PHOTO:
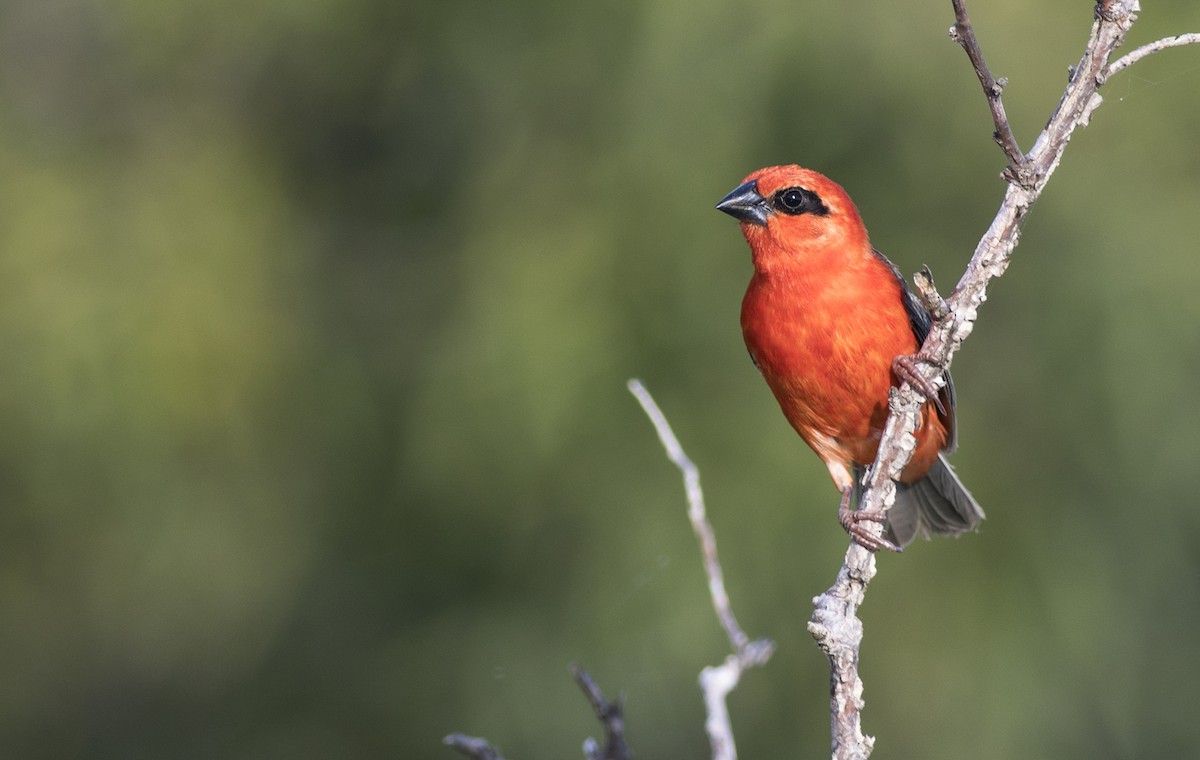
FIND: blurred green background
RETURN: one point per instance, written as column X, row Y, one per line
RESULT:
column 316, row 319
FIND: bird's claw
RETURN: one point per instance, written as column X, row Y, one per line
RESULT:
column 905, row 367
column 852, row 522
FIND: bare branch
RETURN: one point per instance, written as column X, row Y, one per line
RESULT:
column 838, row 632
column 716, row 682
column 964, row 34
column 835, row 624
column 1129, row 59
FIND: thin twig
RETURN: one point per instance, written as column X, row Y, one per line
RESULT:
column 716, row 682
column 927, row 291
column 611, row 715
column 696, row 513
column 472, row 746
column 1127, row 60
column 835, row 624
column 964, row 34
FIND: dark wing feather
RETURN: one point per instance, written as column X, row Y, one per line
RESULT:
column 921, row 323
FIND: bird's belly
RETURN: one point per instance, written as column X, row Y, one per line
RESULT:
column 847, row 403
column 831, row 380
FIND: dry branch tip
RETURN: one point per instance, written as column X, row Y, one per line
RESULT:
column 964, row 34
column 930, row 298
column 611, row 716
column 472, row 746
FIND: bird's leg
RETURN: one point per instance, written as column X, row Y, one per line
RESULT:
column 852, row 519
column 905, row 367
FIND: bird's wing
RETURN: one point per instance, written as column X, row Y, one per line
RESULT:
column 921, row 322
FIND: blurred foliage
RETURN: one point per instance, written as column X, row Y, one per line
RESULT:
column 316, row 318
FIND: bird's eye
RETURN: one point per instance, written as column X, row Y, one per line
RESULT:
column 792, row 200
column 798, row 200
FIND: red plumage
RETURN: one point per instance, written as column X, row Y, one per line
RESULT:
column 824, row 318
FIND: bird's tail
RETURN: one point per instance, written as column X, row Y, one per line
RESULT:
column 936, row 504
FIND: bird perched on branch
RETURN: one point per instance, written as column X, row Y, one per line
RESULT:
column 831, row 325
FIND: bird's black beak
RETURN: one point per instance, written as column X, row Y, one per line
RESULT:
column 745, row 203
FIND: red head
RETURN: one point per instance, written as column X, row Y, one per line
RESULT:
column 789, row 213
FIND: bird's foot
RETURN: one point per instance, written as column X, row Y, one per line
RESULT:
column 905, row 367
column 852, row 522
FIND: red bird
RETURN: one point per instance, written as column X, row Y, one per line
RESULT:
column 832, row 327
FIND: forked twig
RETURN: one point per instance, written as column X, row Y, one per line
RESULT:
column 716, row 682
column 612, row 717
